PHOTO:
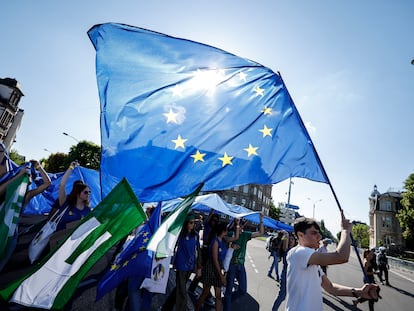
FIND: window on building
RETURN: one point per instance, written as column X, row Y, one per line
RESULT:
column 243, row 202
column 386, row 206
column 386, row 222
column 254, row 190
column 246, row 189
column 226, row 198
column 253, row 205
column 388, row 240
column 233, row 200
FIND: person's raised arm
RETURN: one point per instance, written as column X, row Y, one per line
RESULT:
column 63, row 181
column 46, row 182
column 236, row 232
column 341, row 254
column 4, row 185
column 261, row 228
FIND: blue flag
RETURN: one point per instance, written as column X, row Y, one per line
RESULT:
column 134, row 259
column 176, row 113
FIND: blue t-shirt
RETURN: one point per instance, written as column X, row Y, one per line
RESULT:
column 222, row 249
column 72, row 214
column 186, row 255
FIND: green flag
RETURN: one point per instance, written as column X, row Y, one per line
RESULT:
column 54, row 280
column 10, row 212
column 164, row 239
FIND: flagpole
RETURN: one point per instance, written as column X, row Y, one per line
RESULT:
column 327, row 178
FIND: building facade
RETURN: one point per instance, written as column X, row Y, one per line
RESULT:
column 384, row 227
column 252, row 196
column 10, row 113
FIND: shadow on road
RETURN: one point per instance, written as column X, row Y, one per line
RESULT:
column 345, row 304
column 402, row 291
column 244, row 303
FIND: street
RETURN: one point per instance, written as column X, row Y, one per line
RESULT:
column 262, row 290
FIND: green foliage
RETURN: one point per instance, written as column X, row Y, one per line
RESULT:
column 274, row 212
column 86, row 153
column 56, row 163
column 406, row 214
column 360, row 232
column 16, row 157
column 325, row 232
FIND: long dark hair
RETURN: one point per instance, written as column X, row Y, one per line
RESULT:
column 184, row 229
column 78, row 187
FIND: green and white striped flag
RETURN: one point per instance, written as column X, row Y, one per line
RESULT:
column 52, row 283
column 10, row 212
column 164, row 239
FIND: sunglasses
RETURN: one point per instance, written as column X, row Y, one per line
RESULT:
column 86, row 192
column 191, row 222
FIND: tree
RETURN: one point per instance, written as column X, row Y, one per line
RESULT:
column 325, row 232
column 16, row 157
column 406, row 214
column 360, row 232
column 56, row 163
column 86, row 153
column 274, row 212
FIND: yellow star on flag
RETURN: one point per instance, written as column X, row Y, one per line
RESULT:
column 198, row 156
column 179, row 142
column 226, row 160
column 114, row 267
column 251, row 150
column 267, row 110
column 266, row 131
column 125, row 264
column 171, row 116
column 259, row 90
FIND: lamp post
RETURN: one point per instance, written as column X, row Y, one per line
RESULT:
column 314, row 203
column 74, row 138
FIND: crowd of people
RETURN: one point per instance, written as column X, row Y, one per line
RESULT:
column 212, row 254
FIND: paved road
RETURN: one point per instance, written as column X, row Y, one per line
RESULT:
column 262, row 290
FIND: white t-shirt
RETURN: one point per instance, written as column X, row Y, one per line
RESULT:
column 304, row 290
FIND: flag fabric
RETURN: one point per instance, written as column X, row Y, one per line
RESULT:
column 134, row 259
column 53, row 281
column 164, row 239
column 184, row 112
column 10, row 210
column 44, row 201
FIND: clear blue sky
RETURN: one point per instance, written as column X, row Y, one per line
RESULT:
column 345, row 63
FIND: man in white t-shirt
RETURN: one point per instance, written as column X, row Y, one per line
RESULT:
column 305, row 278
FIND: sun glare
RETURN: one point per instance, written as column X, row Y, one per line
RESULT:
column 207, row 80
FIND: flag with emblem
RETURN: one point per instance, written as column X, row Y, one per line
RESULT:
column 10, row 210
column 164, row 239
column 176, row 113
column 54, row 280
column 133, row 259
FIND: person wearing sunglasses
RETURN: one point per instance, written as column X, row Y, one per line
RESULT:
column 77, row 201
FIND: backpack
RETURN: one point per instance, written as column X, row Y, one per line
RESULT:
column 275, row 243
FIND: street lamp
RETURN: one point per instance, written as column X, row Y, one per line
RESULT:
column 75, row 139
column 314, row 202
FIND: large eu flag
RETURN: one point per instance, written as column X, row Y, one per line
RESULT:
column 176, row 113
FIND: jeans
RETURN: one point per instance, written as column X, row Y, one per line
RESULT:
column 236, row 271
column 274, row 265
column 282, row 291
column 138, row 299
